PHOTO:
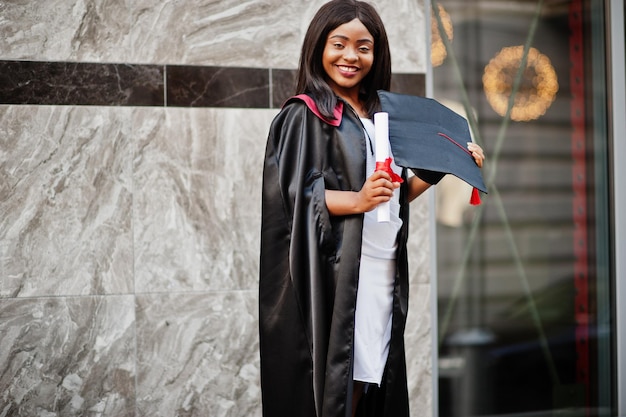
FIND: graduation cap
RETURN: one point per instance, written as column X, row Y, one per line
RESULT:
column 426, row 135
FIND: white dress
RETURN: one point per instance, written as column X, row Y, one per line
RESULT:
column 373, row 317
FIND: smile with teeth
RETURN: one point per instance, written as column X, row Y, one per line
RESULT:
column 347, row 69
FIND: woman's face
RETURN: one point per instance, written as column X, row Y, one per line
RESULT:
column 348, row 57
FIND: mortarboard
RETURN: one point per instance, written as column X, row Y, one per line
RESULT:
column 426, row 135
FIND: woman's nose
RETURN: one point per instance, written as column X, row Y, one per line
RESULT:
column 350, row 54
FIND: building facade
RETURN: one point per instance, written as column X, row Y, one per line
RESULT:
column 132, row 135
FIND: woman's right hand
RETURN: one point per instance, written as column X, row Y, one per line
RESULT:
column 378, row 188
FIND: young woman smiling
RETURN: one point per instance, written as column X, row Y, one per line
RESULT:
column 333, row 290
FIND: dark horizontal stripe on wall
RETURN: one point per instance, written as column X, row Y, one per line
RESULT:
column 71, row 83
column 193, row 86
column 283, row 86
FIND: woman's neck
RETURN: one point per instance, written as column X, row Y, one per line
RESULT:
column 356, row 104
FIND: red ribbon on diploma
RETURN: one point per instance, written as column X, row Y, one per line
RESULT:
column 386, row 166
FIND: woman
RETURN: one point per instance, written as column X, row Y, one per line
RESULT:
column 333, row 281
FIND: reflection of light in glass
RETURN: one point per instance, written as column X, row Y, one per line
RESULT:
column 438, row 49
column 537, row 89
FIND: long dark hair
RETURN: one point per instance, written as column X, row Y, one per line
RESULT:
column 311, row 74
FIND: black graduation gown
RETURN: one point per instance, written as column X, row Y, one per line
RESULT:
column 309, row 270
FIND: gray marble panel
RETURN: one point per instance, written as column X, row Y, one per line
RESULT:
column 253, row 33
column 419, row 345
column 407, row 28
column 198, row 197
column 197, row 355
column 418, row 245
column 67, row 357
column 418, row 336
column 65, row 201
column 60, row 30
column 257, row 33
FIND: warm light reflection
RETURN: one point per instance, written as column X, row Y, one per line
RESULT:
column 537, row 89
column 438, row 49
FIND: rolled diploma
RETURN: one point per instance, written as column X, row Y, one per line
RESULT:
column 381, row 131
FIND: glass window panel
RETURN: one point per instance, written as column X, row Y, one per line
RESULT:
column 524, row 279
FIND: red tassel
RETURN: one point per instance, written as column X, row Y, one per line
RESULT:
column 475, row 198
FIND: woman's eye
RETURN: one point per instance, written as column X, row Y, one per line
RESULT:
column 338, row 45
column 364, row 49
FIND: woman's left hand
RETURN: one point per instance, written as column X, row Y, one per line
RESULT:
column 477, row 153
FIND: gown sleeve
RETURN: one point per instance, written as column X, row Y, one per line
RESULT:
column 431, row 177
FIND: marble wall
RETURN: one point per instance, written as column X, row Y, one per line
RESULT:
column 131, row 142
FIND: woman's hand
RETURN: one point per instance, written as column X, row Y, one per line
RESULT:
column 477, row 153
column 378, row 188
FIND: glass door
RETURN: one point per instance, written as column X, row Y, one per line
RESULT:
column 524, row 280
